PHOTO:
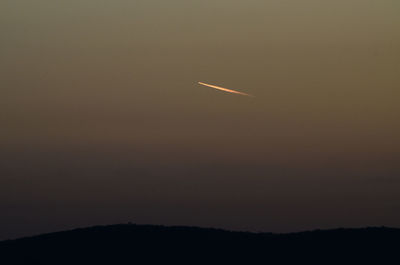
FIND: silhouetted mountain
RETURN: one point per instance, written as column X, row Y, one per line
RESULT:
column 148, row 244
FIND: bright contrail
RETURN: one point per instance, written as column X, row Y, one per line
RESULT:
column 226, row 90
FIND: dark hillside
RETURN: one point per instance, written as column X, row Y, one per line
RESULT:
column 128, row 244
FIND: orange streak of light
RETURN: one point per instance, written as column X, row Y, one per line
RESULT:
column 225, row 89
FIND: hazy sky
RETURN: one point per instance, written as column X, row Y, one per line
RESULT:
column 102, row 120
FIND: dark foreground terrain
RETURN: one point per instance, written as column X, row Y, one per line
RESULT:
column 147, row 244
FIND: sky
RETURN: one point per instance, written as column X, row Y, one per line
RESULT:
column 102, row 119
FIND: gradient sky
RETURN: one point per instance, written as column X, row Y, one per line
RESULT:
column 102, row 120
